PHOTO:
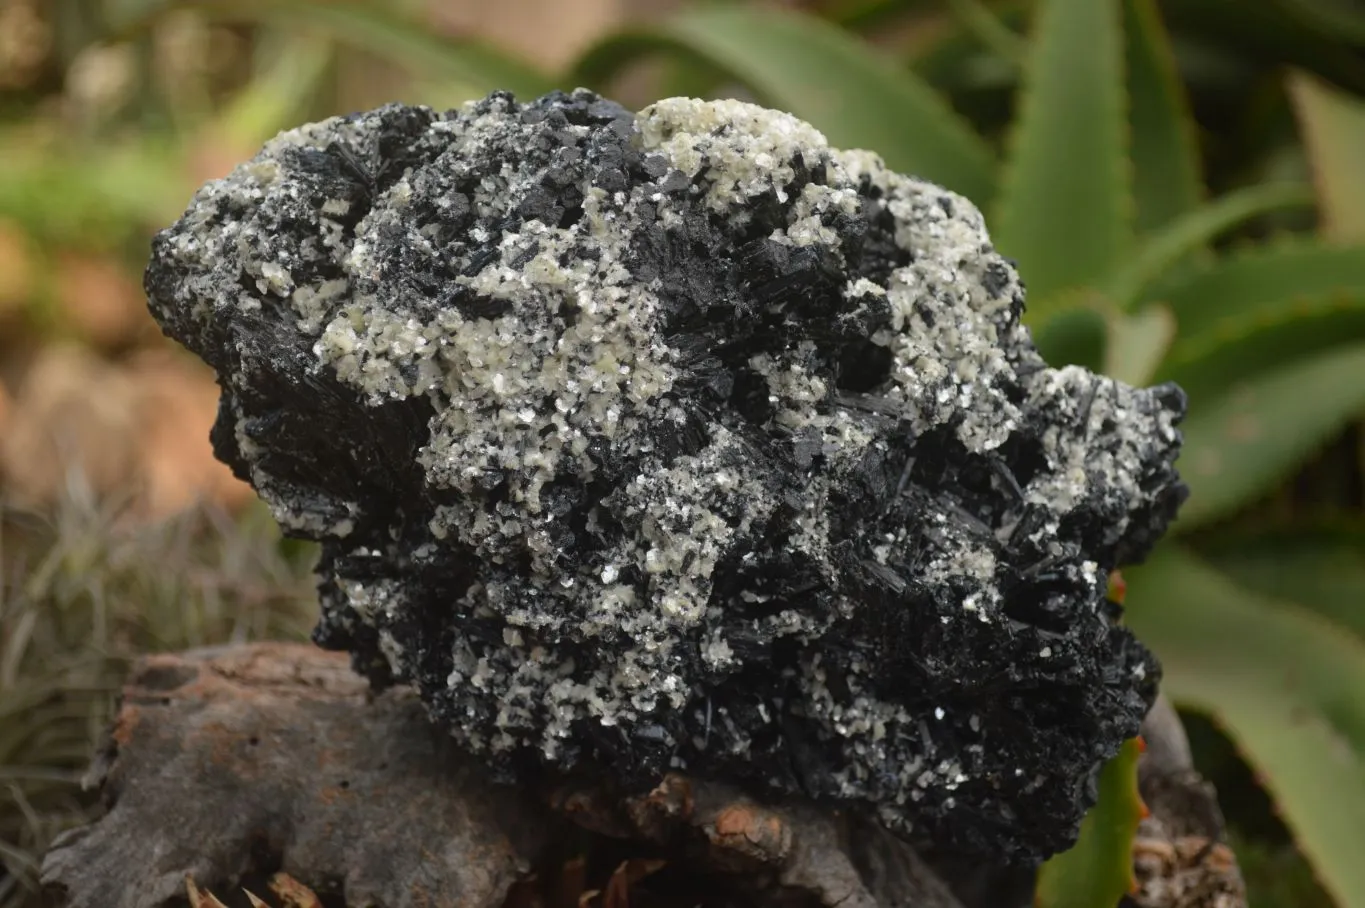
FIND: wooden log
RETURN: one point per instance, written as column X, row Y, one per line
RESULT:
column 1180, row 858
column 223, row 764
column 231, row 764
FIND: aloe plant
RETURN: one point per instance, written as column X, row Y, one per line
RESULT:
column 469, row 68
column 1098, row 871
column 822, row 75
column 1099, row 197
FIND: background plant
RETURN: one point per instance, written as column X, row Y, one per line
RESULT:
column 1181, row 183
column 84, row 592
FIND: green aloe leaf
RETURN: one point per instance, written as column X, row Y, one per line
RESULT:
column 817, row 72
column 1190, row 231
column 1166, row 177
column 1323, row 567
column 1065, row 210
column 1073, row 330
column 1098, row 870
column 1333, row 126
column 1262, row 279
column 982, row 23
column 1238, row 445
column 1262, row 308
column 1137, row 343
column 1288, row 688
column 376, row 29
column 1240, row 348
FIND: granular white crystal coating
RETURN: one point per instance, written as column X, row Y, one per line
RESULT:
column 682, row 440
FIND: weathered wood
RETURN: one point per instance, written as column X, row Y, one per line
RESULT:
column 228, row 763
column 233, row 762
column 1180, row 859
column 781, row 850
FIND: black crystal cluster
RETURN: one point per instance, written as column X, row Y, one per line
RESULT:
column 681, row 440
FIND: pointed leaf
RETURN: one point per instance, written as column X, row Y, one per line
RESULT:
column 1286, row 686
column 1262, row 308
column 1098, row 869
column 815, row 71
column 1239, row 445
column 981, row 21
column 1190, row 231
column 377, row 29
column 1333, row 125
column 1262, row 279
column 1137, row 344
column 1065, row 211
column 1321, row 567
column 1241, row 347
column 1166, row 178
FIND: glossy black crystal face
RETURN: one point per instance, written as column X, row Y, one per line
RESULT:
column 681, row 440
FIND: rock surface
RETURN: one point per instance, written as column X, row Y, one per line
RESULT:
column 682, row 441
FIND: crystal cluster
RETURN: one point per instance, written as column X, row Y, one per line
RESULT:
column 681, row 440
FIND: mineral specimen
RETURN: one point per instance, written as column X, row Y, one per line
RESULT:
column 682, row 440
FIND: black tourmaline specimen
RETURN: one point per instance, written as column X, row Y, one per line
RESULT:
column 682, row 440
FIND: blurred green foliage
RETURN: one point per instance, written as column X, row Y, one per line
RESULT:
column 1181, row 182
column 1099, row 869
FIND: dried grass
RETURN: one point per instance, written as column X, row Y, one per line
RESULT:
column 84, row 590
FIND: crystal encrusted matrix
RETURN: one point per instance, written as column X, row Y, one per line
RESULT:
column 682, row 440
